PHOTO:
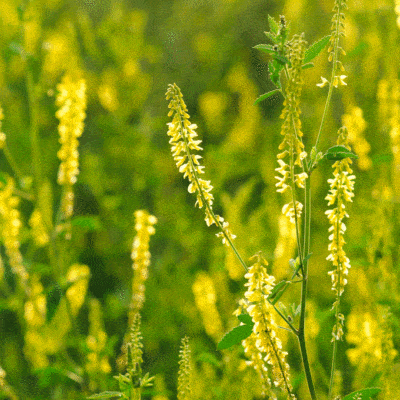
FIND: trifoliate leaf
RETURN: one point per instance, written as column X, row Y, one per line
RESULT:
column 339, row 153
column 315, row 49
column 364, row 394
column 266, row 95
column 235, row 336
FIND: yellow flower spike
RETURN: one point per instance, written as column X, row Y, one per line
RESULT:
column 341, row 191
column 141, row 256
column 97, row 364
column 264, row 343
column 205, row 298
column 39, row 232
column 183, row 143
column 10, row 229
column 291, row 155
column 71, row 101
column 185, row 371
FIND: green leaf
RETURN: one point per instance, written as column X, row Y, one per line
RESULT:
column 278, row 291
column 274, row 69
column 315, row 49
column 209, row 358
column 105, row 395
column 365, row 394
column 235, row 336
column 90, row 223
column 53, row 298
column 272, row 37
column 3, row 179
column 266, row 95
column 281, row 59
column 266, row 48
column 339, row 153
column 273, row 25
column 308, row 65
column 246, row 319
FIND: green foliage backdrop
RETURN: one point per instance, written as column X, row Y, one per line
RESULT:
column 128, row 52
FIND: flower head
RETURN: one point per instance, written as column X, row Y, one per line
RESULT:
column 71, row 101
column 341, row 191
column 263, row 346
column 183, row 143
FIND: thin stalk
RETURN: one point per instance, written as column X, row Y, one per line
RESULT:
column 12, row 162
column 219, row 225
column 301, row 331
column 334, row 352
column 334, row 70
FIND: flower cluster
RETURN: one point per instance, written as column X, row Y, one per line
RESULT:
column 183, row 143
column 206, row 298
column 292, row 147
column 71, row 101
column 10, row 225
column 337, row 29
column 141, row 256
column 97, row 362
column 356, row 126
column 39, row 232
column 341, row 191
column 264, row 346
column 185, row 371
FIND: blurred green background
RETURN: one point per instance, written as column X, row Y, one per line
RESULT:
column 128, row 52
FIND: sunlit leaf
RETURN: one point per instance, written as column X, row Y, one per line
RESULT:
column 364, row 394
column 315, row 49
column 235, row 336
column 273, row 25
column 339, row 153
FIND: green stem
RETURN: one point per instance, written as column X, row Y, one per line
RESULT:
column 301, row 331
column 205, row 202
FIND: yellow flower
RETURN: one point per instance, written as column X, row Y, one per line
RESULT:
column 141, row 256
column 71, row 101
column 264, row 347
column 205, row 298
column 11, row 224
column 341, row 191
column 183, row 143
column 291, row 149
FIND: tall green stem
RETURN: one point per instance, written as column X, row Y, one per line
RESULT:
column 301, row 331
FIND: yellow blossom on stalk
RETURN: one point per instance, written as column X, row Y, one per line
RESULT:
column 263, row 346
column 141, row 256
column 183, row 143
column 35, row 307
column 205, row 298
column 292, row 148
column 356, row 126
column 97, row 364
column 71, row 101
column 341, row 191
column 10, row 225
column 337, row 29
column 185, row 371
column 39, row 232
column 397, row 11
